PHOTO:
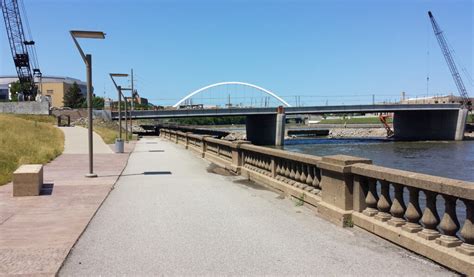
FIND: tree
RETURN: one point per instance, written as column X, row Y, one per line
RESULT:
column 97, row 103
column 16, row 87
column 73, row 98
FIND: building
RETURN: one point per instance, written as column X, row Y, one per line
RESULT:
column 4, row 89
column 442, row 99
column 52, row 87
column 138, row 100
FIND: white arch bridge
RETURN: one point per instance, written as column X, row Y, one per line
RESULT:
column 266, row 91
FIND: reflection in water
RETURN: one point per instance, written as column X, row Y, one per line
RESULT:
column 453, row 159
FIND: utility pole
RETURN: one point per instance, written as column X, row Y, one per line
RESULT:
column 373, row 99
column 133, row 105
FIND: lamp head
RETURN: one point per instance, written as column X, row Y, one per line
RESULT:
column 88, row 34
column 118, row 75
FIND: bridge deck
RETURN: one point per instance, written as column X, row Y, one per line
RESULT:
column 289, row 110
column 197, row 223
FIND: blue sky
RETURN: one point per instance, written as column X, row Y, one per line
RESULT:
column 335, row 51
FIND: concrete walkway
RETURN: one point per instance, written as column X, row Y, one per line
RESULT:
column 37, row 233
column 192, row 222
column 77, row 141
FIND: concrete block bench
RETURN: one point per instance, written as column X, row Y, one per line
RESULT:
column 27, row 180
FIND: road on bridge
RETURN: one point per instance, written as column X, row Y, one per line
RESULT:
column 195, row 222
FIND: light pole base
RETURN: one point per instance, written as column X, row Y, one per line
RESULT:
column 91, row 175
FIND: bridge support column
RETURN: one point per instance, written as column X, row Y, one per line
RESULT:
column 430, row 124
column 266, row 129
column 461, row 124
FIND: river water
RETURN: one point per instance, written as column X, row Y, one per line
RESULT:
column 451, row 159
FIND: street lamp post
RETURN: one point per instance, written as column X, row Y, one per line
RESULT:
column 120, row 95
column 88, row 61
column 119, row 88
column 132, row 105
column 127, row 115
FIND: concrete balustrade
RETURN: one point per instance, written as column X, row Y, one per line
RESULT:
column 397, row 205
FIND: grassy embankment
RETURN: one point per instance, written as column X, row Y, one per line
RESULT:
column 108, row 131
column 27, row 139
column 354, row 120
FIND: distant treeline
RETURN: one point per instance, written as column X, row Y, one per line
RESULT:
column 226, row 120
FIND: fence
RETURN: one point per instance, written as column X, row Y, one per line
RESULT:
column 429, row 215
column 27, row 107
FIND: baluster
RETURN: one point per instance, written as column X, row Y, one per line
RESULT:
column 277, row 167
column 316, row 178
column 297, row 172
column 292, row 172
column 449, row 224
column 384, row 203
column 287, row 169
column 430, row 218
column 303, row 174
column 398, row 207
column 291, row 168
column 266, row 165
column 413, row 213
column 371, row 198
column 467, row 231
column 309, row 178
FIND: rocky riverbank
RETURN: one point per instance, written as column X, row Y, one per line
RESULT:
column 357, row 133
column 333, row 133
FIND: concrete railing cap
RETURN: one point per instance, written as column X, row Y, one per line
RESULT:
column 345, row 160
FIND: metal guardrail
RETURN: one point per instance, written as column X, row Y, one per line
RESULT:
column 288, row 110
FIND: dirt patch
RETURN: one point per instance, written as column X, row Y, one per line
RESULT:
column 213, row 168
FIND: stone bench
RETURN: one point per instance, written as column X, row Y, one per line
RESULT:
column 28, row 180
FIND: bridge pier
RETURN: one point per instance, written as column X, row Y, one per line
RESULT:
column 268, row 129
column 430, row 124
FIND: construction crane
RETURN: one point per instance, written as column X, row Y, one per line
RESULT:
column 466, row 101
column 23, row 51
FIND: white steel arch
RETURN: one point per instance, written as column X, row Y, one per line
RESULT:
column 232, row 83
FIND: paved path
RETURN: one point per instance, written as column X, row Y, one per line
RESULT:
column 197, row 223
column 37, row 233
column 77, row 141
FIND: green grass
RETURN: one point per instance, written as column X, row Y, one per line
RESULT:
column 108, row 131
column 355, row 120
column 26, row 139
column 50, row 119
column 110, row 134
